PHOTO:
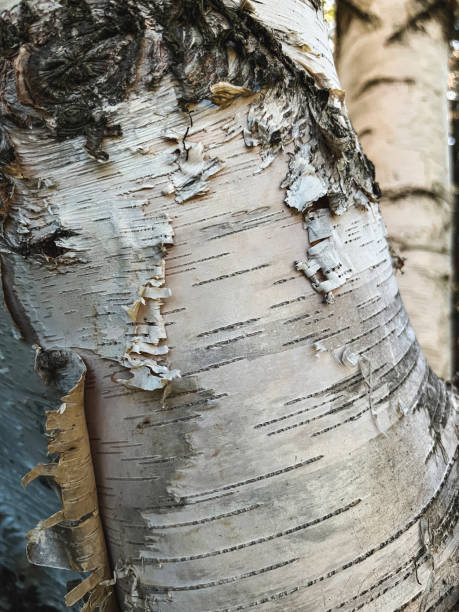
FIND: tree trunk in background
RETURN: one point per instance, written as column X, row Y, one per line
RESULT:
column 188, row 211
column 392, row 58
column 454, row 86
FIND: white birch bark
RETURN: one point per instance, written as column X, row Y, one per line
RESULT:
column 392, row 57
column 279, row 441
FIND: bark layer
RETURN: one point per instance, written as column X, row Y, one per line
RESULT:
column 392, row 58
column 304, row 405
column 24, row 587
column 71, row 538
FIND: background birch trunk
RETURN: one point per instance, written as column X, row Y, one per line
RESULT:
column 392, row 58
column 188, row 210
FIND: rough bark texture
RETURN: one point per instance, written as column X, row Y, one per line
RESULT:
column 392, row 58
column 71, row 538
column 265, row 430
column 23, row 400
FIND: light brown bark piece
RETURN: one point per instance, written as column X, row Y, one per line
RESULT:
column 72, row 538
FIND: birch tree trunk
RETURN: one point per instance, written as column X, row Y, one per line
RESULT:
column 392, row 58
column 192, row 238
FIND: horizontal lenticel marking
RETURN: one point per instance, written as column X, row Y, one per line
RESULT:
column 231, row 275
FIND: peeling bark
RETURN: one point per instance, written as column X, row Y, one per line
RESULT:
column 240, row 483
column 72, row 538
column 24, row 587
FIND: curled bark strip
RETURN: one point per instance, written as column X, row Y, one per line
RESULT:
column 146, row 349
column 73, row 537
column 224, row 93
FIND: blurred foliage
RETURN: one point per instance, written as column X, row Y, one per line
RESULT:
column 329, row 9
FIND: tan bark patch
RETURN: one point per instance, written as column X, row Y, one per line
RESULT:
column 73, row 537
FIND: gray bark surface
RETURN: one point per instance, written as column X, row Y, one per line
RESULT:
column 187, row 208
